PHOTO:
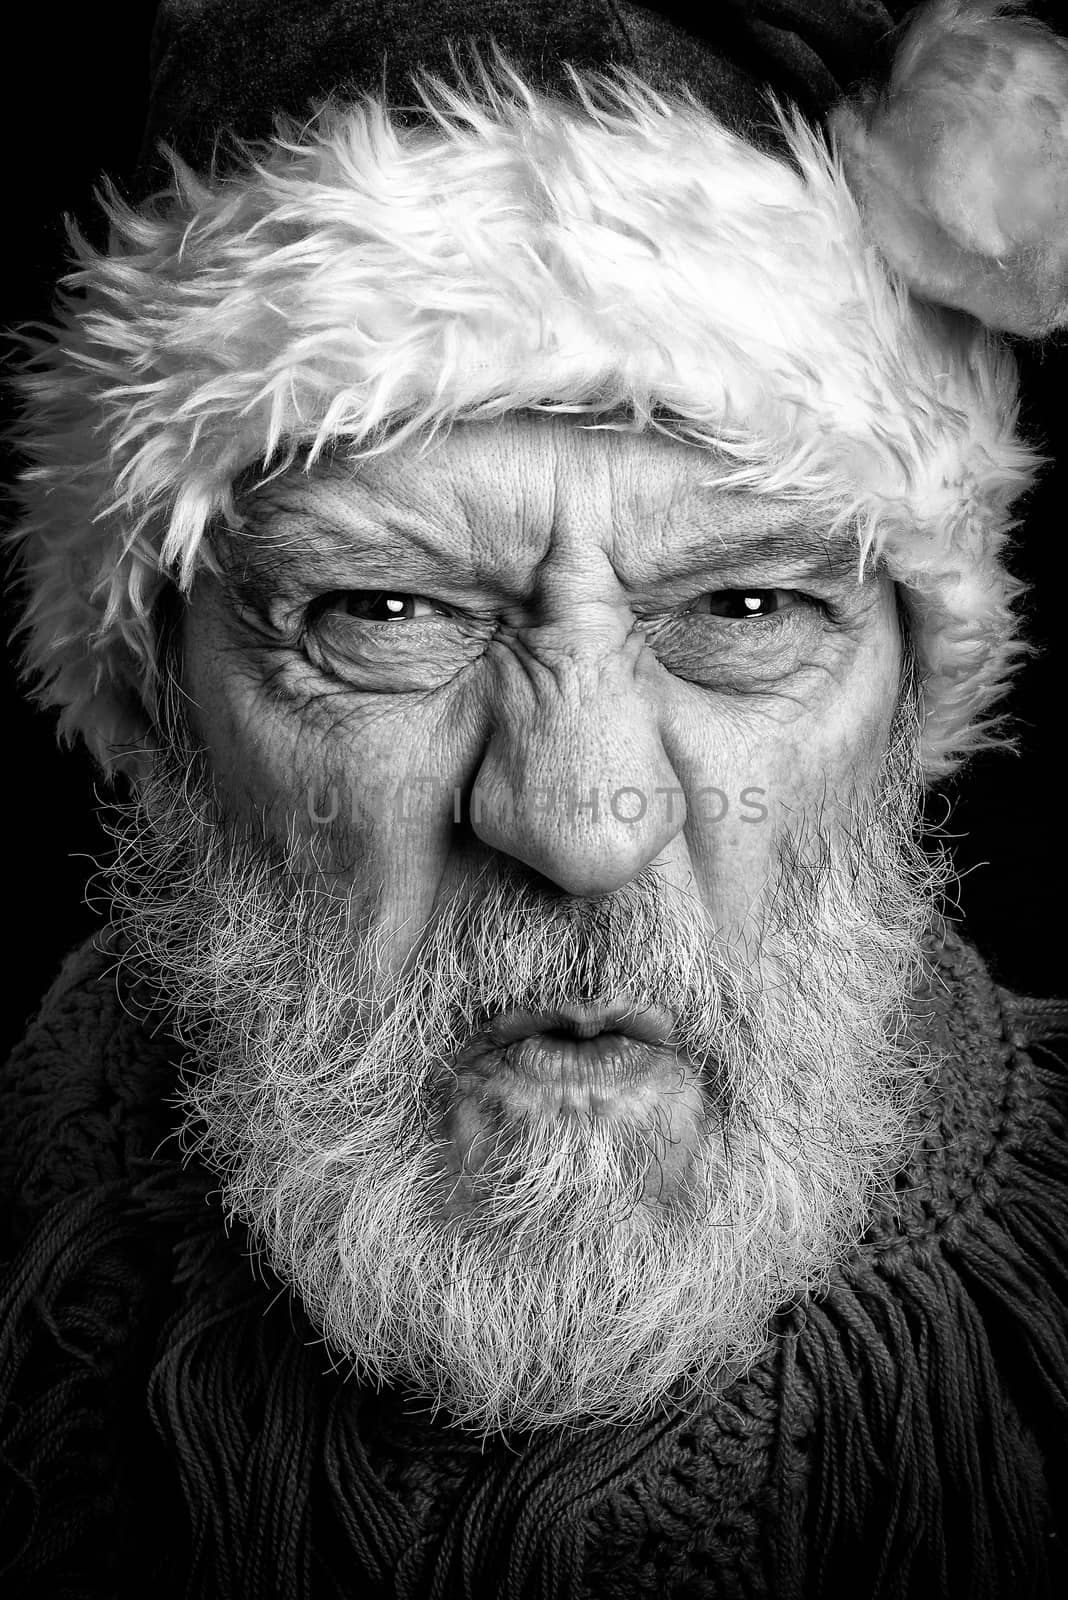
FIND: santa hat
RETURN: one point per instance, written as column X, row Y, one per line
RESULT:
column 662, row 244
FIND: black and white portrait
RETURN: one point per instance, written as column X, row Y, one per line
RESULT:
column 535, row 580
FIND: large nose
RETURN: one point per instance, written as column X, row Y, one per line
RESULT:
column 575, row 781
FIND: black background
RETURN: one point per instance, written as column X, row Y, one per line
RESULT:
column 76, row 98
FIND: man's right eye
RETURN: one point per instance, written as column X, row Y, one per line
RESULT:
column 383, row 641
column 380, row 605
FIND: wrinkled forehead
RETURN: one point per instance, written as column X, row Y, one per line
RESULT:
column 499, row 498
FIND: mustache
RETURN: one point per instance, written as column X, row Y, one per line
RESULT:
column 540, row 949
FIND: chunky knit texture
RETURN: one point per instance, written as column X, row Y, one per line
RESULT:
column 169, row 1425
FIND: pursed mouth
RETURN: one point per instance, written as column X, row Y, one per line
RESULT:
column 606, row 1061
column 577, row 1049
column 579, row 1021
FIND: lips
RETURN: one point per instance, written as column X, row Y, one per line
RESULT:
column 650, row 1024
column 609, row 1060
column 616, row 1044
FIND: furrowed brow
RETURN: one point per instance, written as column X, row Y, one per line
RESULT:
column 278, row 552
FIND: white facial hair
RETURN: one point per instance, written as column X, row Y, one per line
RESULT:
column 320, row 1085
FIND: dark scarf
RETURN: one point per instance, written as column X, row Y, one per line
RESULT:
column 170, row 1425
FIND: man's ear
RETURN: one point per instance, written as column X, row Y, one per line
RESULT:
column 960, row 165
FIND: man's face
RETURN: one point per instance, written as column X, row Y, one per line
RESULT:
column 547, row 1014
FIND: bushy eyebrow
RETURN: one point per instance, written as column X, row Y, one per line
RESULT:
column 262, row 563
column 833, row 556
column 770, row 541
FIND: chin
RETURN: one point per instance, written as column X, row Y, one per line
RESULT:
column 540, row 1268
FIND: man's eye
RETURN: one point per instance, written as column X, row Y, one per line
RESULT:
column 389, row 641
column 382, row 605
column 736, row 605
column 741, row 638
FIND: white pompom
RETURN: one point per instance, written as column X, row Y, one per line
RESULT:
column 961, row 164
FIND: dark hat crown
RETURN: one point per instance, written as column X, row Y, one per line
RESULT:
column 234, row 65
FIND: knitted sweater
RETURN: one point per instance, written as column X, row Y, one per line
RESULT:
column 170, row 1425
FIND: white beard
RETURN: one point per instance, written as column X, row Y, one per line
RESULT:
column 571, row 1285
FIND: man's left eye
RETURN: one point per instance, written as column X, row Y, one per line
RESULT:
column 384, row 605
column 737, row 605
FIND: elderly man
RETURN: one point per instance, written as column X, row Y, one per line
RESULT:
column 528, row 552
